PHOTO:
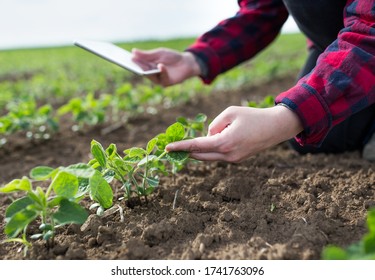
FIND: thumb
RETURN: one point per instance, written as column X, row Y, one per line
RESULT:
column 164, row 77
column 221, row 122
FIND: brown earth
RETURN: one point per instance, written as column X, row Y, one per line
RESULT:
column 276, row 205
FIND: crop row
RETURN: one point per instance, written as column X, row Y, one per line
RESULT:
column 51, row 197
column 38, row 86
column 40, row 123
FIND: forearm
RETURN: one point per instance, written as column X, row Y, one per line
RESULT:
column 287, row 124
column 343, row 81
column 240, row 37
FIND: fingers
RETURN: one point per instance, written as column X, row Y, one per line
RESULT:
column 196, row 145
column 144, row 64
column 222, row 121
column 205, row 149
column 209, row 156
column 161, row 78
column 148, row 55
column 150, row 59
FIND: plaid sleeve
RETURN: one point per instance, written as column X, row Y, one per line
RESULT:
column 343, row 81
column 240, row 37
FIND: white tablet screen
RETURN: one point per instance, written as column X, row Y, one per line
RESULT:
column 115, row 55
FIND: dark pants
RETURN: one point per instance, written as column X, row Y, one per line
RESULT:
column 320, row 21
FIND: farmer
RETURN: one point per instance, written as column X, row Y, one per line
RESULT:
column 331, row 109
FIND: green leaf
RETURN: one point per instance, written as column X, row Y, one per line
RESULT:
column 80, row 170
column 369, row 243
column 23, row 184
column 101, row 191
column 109, row 175
column 98, row 152
column 201, row 118
column 124, row 165
column 35, row 197
column 175, row 132
column 147, row 159
column 135, row 152
column 197, row 126
column 152, row 181
column 70, row 212
column 183, row 121
column 111, row 151
column 269, row 101
column 162, row 141
column 83, row 187
column 65, row 184
column 19, row 221
column 177, row 156
column 55, row 201
column 334, row 253
column 149, row 190
column 371, row 220
column 42, row 199
column 17, row 206
column 151, row 145
column 94, row 164
column 41, row 173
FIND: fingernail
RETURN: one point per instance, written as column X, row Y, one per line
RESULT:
column 169, row 147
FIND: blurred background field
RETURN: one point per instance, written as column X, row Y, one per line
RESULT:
column 40, row 85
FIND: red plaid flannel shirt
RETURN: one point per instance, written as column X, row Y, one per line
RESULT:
column 341, row 84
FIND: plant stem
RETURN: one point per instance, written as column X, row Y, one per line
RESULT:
column 144, row 179
column 162, row 155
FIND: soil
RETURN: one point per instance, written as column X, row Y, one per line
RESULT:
column 276, row 205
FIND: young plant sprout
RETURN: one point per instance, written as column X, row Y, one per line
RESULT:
column 139, row 170
column 362, row 250
column 57, row 205
column 54, row 201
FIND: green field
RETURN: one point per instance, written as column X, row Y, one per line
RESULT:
column 97, row 91
column 41, row 87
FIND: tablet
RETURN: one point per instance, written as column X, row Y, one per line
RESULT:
column 114, row 54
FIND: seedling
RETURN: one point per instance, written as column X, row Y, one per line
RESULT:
column 138, row 172
column 195, row 126
column 57, row 205
column 37, row 123
column 363, row 250
column 88, row 110
column 272, row 207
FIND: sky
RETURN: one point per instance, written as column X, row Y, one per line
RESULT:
column 33, row 23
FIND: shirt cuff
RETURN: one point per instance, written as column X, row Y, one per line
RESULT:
column 207, row 57
column 312, row 111
column 202, row 66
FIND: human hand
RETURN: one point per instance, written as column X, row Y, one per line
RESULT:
column 175, row 67
column 240, row 132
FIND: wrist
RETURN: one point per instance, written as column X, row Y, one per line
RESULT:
column 287, row 122
column 193, row 65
